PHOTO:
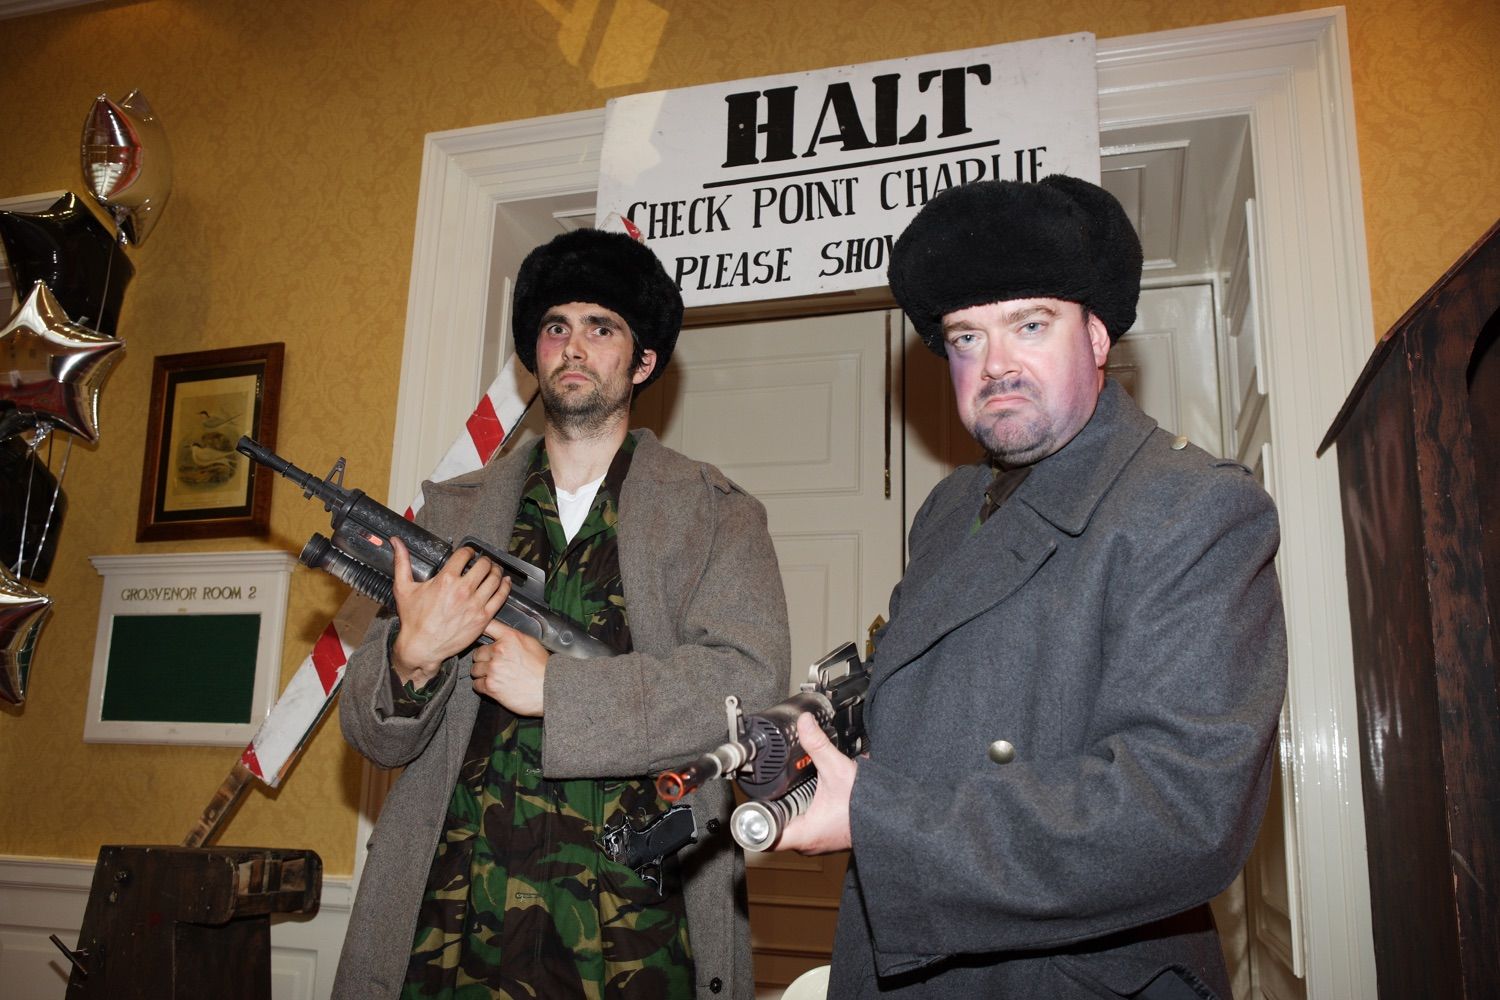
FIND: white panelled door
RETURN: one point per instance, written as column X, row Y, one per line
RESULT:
column 1166, row 361
column 795, row 411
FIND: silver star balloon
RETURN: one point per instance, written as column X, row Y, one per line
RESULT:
column 52, row 368
column 23, row 612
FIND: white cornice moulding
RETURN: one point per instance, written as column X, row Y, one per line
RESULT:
column 262, row 559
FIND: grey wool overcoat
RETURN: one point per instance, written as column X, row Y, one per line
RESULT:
column 1117, row 623
column 707, row 617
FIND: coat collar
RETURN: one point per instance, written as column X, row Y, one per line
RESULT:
column 964, row 569
column 1066, row 487
column 499, row 487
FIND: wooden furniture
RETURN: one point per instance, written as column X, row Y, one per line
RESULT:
column 1419, row 467
column 186, row 923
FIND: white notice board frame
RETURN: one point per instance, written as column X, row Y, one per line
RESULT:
column 191, row 584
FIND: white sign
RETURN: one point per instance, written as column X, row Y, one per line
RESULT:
column 799, row 184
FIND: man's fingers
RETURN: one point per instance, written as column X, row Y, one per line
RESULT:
column 486, row 587
column 458, row 561
column 497, row 600
column 403, row 560
column 815, row 741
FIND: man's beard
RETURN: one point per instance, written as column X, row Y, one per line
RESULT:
column 1011, row 439
column 579, row 412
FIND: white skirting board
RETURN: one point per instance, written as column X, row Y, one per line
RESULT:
column 39, row 897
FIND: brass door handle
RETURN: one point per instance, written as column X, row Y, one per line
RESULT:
column 876, row 625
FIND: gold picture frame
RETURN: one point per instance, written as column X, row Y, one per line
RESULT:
column 193, row 483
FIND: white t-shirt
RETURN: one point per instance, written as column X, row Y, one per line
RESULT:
column 573, row 508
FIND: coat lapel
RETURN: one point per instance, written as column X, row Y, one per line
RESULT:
column 960, row 577
column 1066, row 488
column 492, row 517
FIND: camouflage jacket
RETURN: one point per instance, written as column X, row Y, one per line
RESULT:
column 520, row 901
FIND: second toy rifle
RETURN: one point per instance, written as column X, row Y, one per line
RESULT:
column 765, row 756
column 359, row 553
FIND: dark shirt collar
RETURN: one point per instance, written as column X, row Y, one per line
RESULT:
column 1006, row 481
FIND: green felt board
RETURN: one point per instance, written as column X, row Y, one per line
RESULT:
column 181, row 668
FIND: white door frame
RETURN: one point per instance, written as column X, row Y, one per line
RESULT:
column 1290, row 76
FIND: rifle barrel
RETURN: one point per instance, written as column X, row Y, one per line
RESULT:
column 330, row 493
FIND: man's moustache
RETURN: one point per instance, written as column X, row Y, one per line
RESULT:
column 1008, row 387
column 575, row 370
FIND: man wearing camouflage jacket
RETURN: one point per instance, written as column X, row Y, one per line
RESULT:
column 485, row 876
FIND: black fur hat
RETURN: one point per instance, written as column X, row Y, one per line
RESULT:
column 992, row 241
column 608, row 269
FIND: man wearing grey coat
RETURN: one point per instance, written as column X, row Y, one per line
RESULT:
column 698, row 598
column 1072, row 710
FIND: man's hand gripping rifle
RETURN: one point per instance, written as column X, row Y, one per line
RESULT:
column 766, row 758
column 359, row 553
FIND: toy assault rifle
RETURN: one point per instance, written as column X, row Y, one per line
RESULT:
column 359, row 553
column 766, row 758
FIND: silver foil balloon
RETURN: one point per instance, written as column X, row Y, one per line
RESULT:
column 127, row 163
column 23, row 612
column 51, row 369
column 79, row 257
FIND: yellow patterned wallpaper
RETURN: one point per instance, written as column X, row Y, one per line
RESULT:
column 296, row 128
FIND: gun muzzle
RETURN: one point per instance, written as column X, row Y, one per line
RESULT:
column 673, row 785
column 252, row 448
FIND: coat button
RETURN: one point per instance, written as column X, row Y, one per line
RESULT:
column 715, row 985
column 1001, row 752
column 1179, row 442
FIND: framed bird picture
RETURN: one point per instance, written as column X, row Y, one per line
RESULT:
column 193, row 482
